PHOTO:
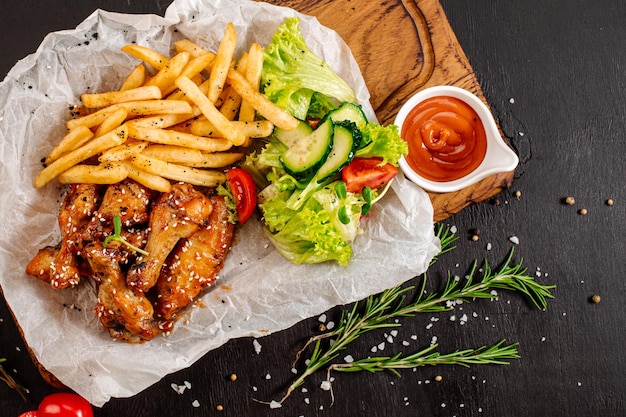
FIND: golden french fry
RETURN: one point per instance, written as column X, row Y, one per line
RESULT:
column 98, row 100
column 264, row 106
column 135, row 79
column 222, row 62
column 193, row 69
column 175, row 154
column 154, row 182
column 108, row 173
column 186, row 45
column 91, row 148
column 166, row 76
column 221, row 123
column 201, row 177
column 254, row 67
column 256, row 129
column 231, row 104
column 72, row 140
column 172, row 137
column 148, row 55
column 161, row 121
column 123, row 152
column 114, row 120
column 134, row 108
column 217, row 159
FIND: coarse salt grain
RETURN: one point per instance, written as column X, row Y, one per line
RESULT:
column 348, row 359
column 195, row 403
column 514, row 239
column 325, row 385
column 322, row 318
column 257, row 346
column 275, row 404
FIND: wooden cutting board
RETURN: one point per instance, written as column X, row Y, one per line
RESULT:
column 403, row 46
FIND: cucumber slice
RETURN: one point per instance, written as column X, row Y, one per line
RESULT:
column 308, row 153
column 350, row 112
column 341, row 154
column 290, row 137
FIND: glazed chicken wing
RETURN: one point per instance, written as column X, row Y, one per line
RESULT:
column 126, row 315
column 127, row 199
column 176, row 215
column 76, row 211
column 195, row 262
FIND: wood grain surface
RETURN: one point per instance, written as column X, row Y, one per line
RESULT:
column 553, row 74
column 403, row 46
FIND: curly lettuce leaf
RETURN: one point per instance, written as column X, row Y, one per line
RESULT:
column 382, row 142
column 311, row 237
column 292, row 73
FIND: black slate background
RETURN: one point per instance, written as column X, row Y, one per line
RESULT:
column 554, row 74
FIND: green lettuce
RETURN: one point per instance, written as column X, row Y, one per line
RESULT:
column 382, row 142
column 292, row 73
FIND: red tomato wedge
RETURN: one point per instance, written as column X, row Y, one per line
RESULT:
column 62, row 404
column 368, row 172
column 243, row 189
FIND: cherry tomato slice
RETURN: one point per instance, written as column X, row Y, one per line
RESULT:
column 29, row 414
column 243, row 190
column 368, row 172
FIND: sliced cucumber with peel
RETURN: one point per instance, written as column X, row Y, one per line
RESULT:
column 309, row 152
column 348, row 111
column 340, row 155
column 290, row 137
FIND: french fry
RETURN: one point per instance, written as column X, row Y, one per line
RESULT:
column 175, row 154
column 148, row 55
column 222, row 62
column 72, row 140
column 264, row 106
column 217, row 159
column 252, row 72
column 193, row 69
column 99, row 100
column 201, row 177
column 109, row 173
column 186, row 45
column 123, row 152
column 114, row 120
column 256, row 129
column 172, row 137
column 221, row 123
column 91, row 148
column 161, row 121
column 231, row 104
column 154, row 182
column 135, row 79
column 134, row 108
column 166, row 75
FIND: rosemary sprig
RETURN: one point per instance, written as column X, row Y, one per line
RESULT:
column 496, row 354
column 390, row 304
column 8, row 379
column 117, row 235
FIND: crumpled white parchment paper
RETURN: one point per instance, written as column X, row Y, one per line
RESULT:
column 259, row 292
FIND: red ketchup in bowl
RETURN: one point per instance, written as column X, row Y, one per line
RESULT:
column 446, row 139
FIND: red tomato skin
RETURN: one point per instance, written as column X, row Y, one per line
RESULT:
column 64, row 404
column 30, row 414
column 363, row 172
column 243, row 189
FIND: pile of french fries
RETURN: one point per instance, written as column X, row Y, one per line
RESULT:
column 186, row 121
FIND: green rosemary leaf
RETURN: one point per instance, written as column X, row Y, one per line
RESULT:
column 496, row 354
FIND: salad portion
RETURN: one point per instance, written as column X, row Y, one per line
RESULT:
column 318, row 180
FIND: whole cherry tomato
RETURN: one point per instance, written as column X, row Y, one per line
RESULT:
column 62, row 404
column 368, row 172
column 243, row 188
